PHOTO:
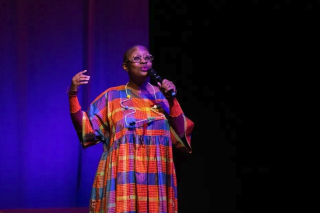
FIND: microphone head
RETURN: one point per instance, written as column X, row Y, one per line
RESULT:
column 153, row 74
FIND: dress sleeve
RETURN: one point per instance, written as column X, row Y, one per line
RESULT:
column 185, row 125
column 95, row 126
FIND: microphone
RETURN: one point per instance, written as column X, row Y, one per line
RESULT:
column 153, row 74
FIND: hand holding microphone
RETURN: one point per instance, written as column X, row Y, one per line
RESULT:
column 165, row 85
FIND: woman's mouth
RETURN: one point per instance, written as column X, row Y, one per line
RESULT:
column 145, row 68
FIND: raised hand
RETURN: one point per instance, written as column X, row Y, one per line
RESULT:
column 78, row 80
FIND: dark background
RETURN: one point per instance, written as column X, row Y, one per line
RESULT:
column 227, row 61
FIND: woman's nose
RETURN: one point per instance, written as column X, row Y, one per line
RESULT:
column 143, row 61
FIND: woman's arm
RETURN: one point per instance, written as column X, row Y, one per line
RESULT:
column 176, row 118
column 87, row 124
column 75, row 108
column 181, row 126
column 76, row 114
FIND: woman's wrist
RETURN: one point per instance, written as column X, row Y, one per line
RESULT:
column 175, row 109
column 72, row 90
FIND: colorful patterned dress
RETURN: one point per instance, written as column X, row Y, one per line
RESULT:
column 136, row 171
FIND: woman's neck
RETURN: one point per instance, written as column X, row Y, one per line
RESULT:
column 139, row 86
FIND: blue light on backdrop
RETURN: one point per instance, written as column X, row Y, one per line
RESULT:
column 43, row 44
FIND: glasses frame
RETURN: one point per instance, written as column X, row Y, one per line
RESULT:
column 144, row 57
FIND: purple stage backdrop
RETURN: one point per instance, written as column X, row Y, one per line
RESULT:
column 43, row 44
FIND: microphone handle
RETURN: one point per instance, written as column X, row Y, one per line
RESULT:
column 157, row 78
column 170, row 92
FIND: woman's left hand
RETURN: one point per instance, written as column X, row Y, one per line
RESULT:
column 167, row 86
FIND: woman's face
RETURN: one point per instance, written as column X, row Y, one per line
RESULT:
column 136, row 69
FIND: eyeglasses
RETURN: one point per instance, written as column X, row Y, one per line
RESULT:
column 137, row 59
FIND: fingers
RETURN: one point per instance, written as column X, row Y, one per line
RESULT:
column 80, row 73
column 168, row 85
column 84, row 77
column 83, row 82
column 80, row 79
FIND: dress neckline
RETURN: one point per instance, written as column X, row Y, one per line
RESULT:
column 149, row 90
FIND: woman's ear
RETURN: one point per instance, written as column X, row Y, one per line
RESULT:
column 125, row 67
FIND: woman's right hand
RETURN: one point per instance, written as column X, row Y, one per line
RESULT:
column 78, row 80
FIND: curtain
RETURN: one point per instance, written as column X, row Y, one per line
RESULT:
column 44, row 43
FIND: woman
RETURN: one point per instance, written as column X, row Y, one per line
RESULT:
column 138, row 124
